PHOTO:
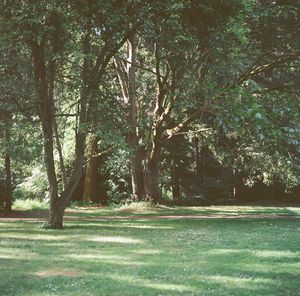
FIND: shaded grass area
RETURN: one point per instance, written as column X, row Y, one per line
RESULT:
column 149, row 256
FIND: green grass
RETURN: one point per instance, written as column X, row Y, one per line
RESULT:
column 124, row 251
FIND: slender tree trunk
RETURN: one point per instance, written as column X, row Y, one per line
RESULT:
column 46, row 112
column 57, row 209
column 8, row 185
column 91, row 175
column 127, row 80
column 137, row 175
column 152, row 173
column 102, row 197
column 197, row 157
column 60, row 155
column 176, row 190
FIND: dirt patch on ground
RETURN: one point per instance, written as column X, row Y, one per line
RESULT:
column 49, row 273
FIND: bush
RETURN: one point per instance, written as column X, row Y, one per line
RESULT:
column 33, row 187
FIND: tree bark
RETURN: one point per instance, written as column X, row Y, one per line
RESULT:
column 152, row 190
column 44, row 50
column 44, row 81
column 198, row 166
column 137, row 175
column 8, row 185
column 176, row 190
column 152, row 173
column 128, row 85
column 60, row 155
column 91, row 175
column 46, row 110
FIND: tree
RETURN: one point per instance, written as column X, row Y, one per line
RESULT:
column 127, row 77
column 48, row 33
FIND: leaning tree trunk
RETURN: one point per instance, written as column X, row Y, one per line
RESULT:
column 91, row 175
column 57, row 209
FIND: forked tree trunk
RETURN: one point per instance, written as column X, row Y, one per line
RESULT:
column 44, row 80
column 44, row 74
column 91, row 175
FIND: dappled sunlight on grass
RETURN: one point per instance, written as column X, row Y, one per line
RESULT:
column 96, row 257
column 147, row 252
column 150, row 256
column 33, row 236
column 236, row 281
column 123, row 225
column 139, row 282
column 223, row 251
column 145, row 208
column 271, row 253
column 115, row 239
column 19, row 254
column 243, row 210
column 112, row 259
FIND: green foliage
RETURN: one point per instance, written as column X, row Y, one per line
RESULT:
column 34, row 186
column 238, row 59
column 118, row 183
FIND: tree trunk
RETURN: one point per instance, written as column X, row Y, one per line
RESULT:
column 46, row 112
column 152, row 189
column 127, row 80
column 91, row 175
column 197, row 157
column 8, row 185
column 60, row 155
column 137, row 175
column 176, row 190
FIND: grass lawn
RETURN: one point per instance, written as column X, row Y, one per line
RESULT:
column 164, row 251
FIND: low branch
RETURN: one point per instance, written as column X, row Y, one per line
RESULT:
column 100, row 154
column 141, row 67
column 194, row 132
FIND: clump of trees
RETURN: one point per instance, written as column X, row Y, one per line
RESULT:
column 149, row 99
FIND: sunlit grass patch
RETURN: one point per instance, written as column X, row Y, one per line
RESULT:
column 115, row 239
column 30, row 204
